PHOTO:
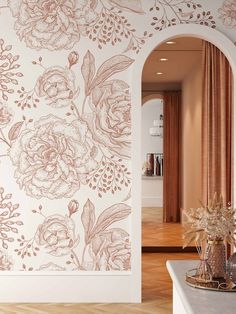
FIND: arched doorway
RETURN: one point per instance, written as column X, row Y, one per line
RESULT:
column 205, row 33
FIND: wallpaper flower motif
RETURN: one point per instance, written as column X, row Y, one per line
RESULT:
column 51, row 24
column 111, row 124
column 228, row 13
column 53, row 158
column 5, row 115
column 5, row 262
column 111, row 250
column 56, row 25
column 58, row 236
column 57, row 85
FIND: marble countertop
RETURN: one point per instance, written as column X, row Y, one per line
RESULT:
column 198, row 301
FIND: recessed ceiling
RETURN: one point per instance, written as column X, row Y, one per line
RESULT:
column 182, row 57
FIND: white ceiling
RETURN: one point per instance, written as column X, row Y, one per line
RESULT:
column 182, row 58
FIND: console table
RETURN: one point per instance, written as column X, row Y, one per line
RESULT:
column 189, row 300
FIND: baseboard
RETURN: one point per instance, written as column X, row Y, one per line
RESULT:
column 168, row 249
column 152, row 202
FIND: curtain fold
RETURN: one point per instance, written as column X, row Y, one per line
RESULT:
column 216, row 124
column 171, row 153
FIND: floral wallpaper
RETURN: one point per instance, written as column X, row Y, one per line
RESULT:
column 65, row 125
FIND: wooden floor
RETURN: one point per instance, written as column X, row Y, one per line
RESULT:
column 157, row 293
column 157, row 233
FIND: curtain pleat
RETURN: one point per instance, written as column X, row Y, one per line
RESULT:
column 216, row 124
column 171, row 153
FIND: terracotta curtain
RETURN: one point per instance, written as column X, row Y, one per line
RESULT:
column 216, row 124
column 171, row 153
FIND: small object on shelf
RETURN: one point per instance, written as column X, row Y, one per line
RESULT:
column 231, row 268
column 150, row 164
column 158, row 166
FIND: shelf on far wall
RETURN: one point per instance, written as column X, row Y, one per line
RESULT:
column 151, row 177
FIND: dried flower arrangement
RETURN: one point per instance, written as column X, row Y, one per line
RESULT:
column 213, row 222
column 210, row 227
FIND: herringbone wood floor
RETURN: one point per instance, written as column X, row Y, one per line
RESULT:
column 157, row 233
column 156, row 283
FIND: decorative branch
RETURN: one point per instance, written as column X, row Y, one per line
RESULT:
column 9, row 222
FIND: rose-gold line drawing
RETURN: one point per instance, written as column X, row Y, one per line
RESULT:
column 9, row 221
column 228, row 13
column 170, row 13
column 57, row 157
column 59, row 25
column 102, row 248
column 8, row 70
column 6, row 262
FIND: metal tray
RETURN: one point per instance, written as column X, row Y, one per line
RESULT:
column 219, row 284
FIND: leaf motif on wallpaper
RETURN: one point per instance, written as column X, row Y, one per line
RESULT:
column 111, row 66
column 130, row 5
column 88, row 71
column 111, row 175
column 106, row 218
column 15, row 130
column 9, row 221
column 180, row 12
column 109, row 216
column 127, row 197
column 88, row 219
column 113, row 27
column 8, row 70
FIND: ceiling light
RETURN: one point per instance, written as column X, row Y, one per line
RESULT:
column 163, row 59
column 159, row 73
column 170, row 42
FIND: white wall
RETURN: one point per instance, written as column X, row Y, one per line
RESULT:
column 191, row 137
column 151, row 110
column 152, row 192
column 152, row 188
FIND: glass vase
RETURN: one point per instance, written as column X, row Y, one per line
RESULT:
column 217, row 258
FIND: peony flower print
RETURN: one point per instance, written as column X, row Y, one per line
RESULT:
column 228, row 13
column 57, row 234
column 53, row 158
column 111, row 250
column 5, row 115
column 109, row 121
column 111, row 124
column 57, row 85
column 51, row 24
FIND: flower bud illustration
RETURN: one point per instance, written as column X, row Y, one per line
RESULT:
column 73, row 58
column 73, row 207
